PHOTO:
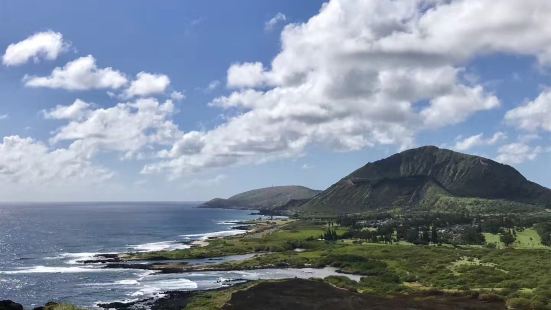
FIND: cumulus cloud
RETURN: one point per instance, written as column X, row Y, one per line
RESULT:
column 478, row 140
column 147, row 84
column 177, row 95
column 364, row 73
column 126, row 128
column 246, row 75
column 457, row 106
column 79, row 74
column 24, row 161
column 358, row 74
column 517, row 153
column 75, row 111
column 534, row 115
column 129, row 129
column 42, row 45
column 274, row 21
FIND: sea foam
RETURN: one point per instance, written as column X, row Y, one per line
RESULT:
column 159, row 246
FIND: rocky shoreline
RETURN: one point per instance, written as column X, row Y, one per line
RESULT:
column 172, row 300
column 162, row 264
column 11, row 305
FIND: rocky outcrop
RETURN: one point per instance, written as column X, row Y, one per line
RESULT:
column 10, row 305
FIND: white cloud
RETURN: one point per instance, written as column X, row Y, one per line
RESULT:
column 533, row 115
column 4, row 116
column 478, row 140
column 79, row 74
column 130, row 129
column 457, row 106
column 458, row 30
column 364, row 73
column 127, row 128
column 42, row 45
column 517, row 153
column 358, row 74
column 147, row 84
column 24, row 161
column 177, row 96
column 274, row 21
column 246, row 75
column 75, row 111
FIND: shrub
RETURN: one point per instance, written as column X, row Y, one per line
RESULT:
column 519, row 303
column 489, row 297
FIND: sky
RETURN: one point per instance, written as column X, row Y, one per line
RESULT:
column 190, row 100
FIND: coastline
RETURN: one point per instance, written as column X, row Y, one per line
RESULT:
column 222, row 265
column 82, row 262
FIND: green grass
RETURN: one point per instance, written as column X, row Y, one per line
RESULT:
column 522, row 272
column 387, row 269
column 526, row 239
column 299, row 234
column 529, row 239
column 493, row 239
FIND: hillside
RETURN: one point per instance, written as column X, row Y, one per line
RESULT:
column 430, row 178
column 264, row 198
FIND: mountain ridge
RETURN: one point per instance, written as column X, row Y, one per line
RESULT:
column 263, row 199
column 422, row 177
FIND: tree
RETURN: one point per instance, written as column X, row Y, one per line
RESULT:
column 330, row 234
column 412, row 235
column 471, row 235
column 507, row 238
column 544, row 230
column 425, row 235
column 434, row 235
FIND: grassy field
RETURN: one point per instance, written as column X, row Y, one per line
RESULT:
column 521, row 273
column 275, row 237
column 525, row 239
column 529, row 239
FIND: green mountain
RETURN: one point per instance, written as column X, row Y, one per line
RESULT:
column 430, row 178
column 264, row 198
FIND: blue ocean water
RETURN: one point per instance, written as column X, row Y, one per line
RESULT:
column 40, row 245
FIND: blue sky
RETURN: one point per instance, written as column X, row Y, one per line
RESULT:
column 244, row 94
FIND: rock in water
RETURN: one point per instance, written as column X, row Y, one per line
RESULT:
column 10, row 305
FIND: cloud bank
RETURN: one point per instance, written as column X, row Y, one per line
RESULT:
column 364, row 73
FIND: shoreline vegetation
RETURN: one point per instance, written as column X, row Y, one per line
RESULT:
column 491, row 273
column 427, row 228
column 517, row 275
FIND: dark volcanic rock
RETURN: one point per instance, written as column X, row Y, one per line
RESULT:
column 47, row 306
column 10, row 305
column 241, row 227
column 142, row 266
column 299, row 294
column 102, row 259
column 171, row 301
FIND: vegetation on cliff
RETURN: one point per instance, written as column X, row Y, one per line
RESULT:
column 264, row 198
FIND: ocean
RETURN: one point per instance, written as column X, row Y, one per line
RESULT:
column 41, row 243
